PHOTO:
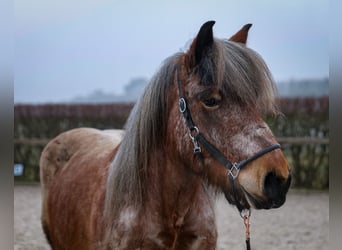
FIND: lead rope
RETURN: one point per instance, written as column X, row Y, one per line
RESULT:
column 246, row 220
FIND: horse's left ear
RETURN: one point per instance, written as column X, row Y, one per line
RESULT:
column 241, row 35
column 202, row 43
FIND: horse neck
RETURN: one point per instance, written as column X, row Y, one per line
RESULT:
column 171, row 184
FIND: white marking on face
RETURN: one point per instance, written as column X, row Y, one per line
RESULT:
column 244, row 142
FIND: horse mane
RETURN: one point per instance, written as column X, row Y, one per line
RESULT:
column 145, row 132
column 241, row 75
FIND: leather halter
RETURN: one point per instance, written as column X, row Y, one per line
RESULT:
column 197, row 138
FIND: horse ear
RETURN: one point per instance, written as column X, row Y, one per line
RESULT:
column 241, row 35
column 202, row 42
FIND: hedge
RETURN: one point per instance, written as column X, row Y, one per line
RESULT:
column 300, row 117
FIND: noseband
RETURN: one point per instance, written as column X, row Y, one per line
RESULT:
column 197, row 138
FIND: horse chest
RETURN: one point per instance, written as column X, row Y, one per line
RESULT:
column 155, row 232
column 194, row 230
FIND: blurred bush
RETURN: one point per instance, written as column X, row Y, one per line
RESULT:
column 307, row 118
column 32, row 122
column 301, row 117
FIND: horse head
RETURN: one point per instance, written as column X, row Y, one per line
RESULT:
column 224, row 89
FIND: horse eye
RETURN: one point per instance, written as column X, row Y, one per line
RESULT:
column 211, row 102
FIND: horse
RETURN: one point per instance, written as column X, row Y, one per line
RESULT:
column 197, row 132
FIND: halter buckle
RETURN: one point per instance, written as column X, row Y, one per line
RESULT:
column 234, row 171
column 197, row 149
column 193, row 133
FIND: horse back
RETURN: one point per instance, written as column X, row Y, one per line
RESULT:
column 73, row 171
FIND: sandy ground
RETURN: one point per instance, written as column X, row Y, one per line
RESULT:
column 302, row 223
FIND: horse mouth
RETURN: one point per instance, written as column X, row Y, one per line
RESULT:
column 242, row 199
column 259, row 203
column 273, row 195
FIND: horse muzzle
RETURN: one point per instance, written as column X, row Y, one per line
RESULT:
column 275, row 190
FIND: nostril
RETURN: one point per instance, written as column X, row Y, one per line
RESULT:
column 273, row 186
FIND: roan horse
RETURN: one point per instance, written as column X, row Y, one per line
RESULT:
column 197, row 131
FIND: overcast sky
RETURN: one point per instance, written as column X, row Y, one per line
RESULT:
column 69, row 48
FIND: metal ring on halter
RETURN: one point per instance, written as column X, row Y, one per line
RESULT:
column 245, row 213
column 182, row 105
column 194, row 131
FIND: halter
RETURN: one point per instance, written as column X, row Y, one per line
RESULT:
column 233, row 169
column 197, row 137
